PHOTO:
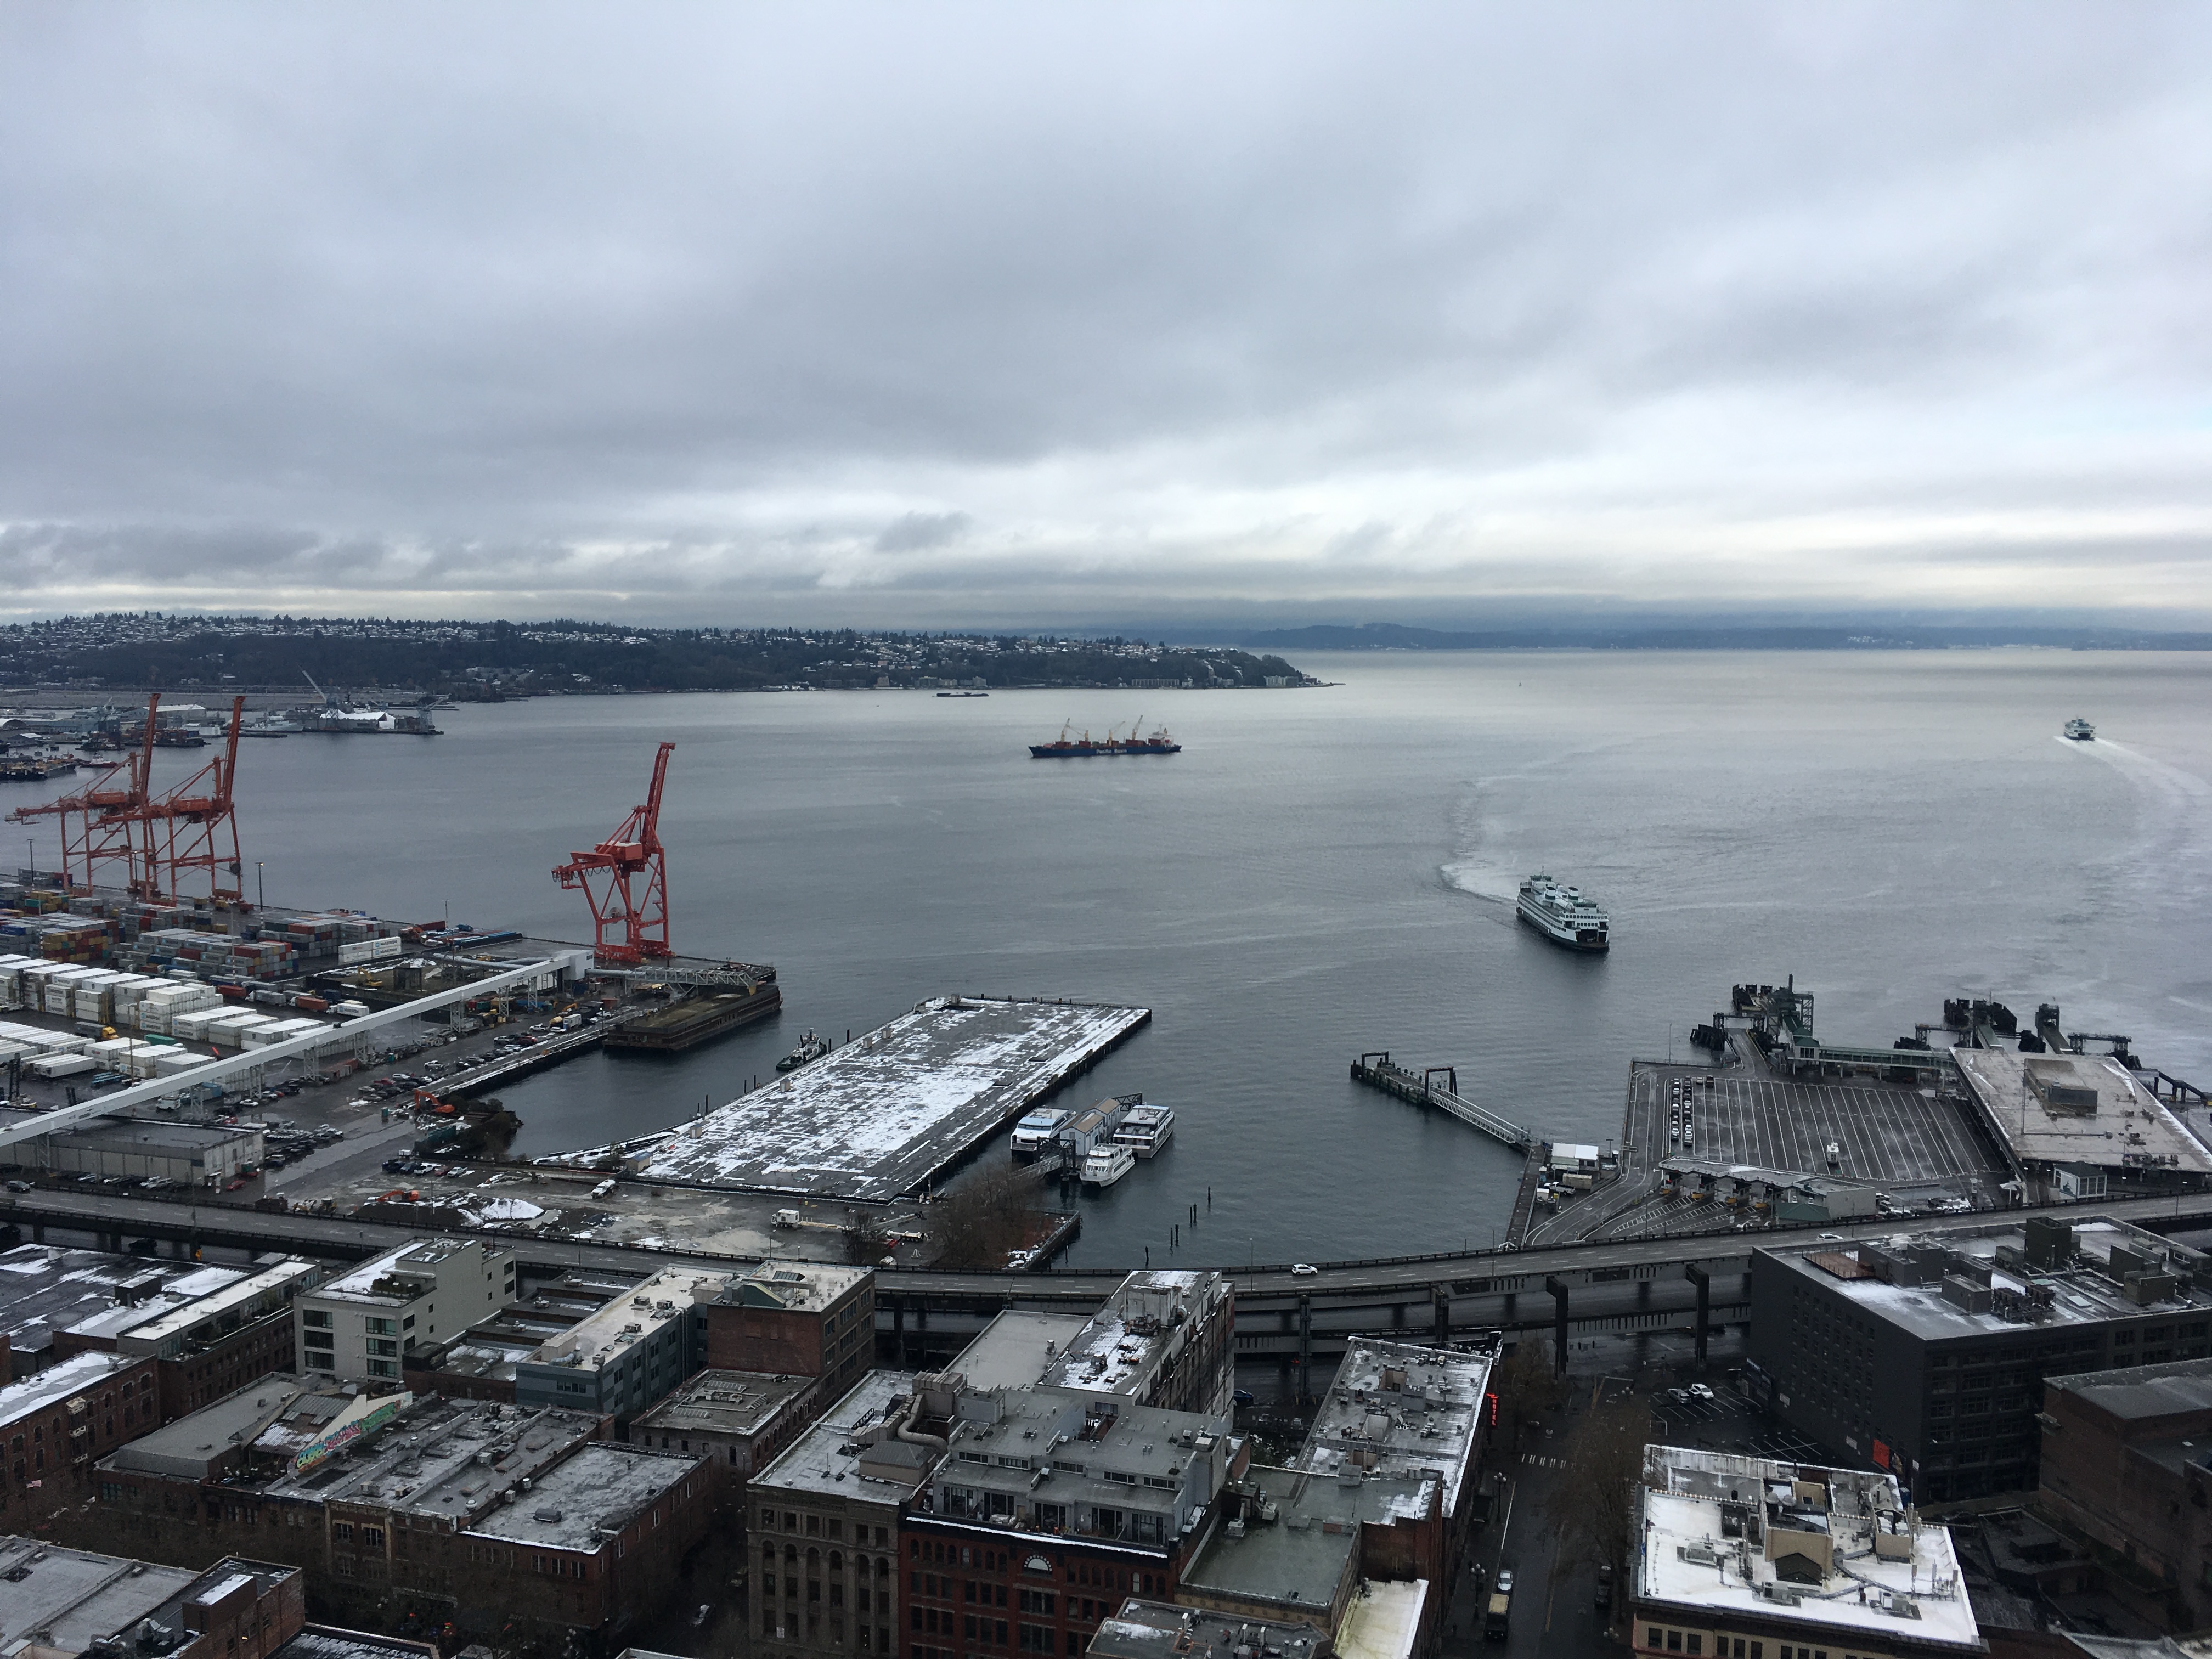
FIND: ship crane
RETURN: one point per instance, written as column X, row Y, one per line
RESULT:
column 625, row 881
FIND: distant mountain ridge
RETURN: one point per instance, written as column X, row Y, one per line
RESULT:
column 1717, row 636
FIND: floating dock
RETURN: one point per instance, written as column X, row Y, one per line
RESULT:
column 884, row 1114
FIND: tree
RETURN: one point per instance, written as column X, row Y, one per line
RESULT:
column 1593, row 1510
column 978, row 1223
column 1527, row 1383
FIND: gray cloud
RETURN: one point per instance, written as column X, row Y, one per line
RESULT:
column 1373, row 307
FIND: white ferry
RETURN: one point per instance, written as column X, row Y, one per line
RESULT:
column 2081, row 731
column 1036, row 1132
column 1145, row 1130
column 1563, row 915
column 1105, row 1165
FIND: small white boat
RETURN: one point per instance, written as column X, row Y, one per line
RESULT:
column 1105, row 1165
column 2081, row 731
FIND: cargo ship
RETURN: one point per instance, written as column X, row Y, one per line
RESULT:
column 1563, row 915
column 1157, row 742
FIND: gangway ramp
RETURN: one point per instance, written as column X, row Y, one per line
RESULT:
column 1377, row 1070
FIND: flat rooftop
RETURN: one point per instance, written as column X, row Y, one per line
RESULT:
column 1401, row 1408
column 58, row 1382
column 2086, row 1292
column 1149, row 1317
column 2077, row 1108
column 189, row 1447
column 1157, row 1630
column 880, row 1116
column 1301, row 1556
column 1016, row 1347
column 607, row 1331
column 154, row 1134
column 724, row 1402
column 73, row 1598
column 44, row 1288
column 827, row 1457
column 1383, row 1619
column 424, row 1255
column 793, row 1287
column 1711, row 1520
column 178, row 1319
column 602, row 1485
column 2143, row 1393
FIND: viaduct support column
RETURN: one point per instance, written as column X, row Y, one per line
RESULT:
column 1558, row 1324
column 1698, row 1277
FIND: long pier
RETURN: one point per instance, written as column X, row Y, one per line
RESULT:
column 1376, row 1069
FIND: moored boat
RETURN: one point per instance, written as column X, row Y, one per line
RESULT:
column 1105, row 1164
column 1036, row 1132
column 1146, row 1130
column 811, row 1049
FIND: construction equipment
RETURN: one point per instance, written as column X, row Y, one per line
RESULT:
column 100, row 823
column 629, row 906
column 187, row 827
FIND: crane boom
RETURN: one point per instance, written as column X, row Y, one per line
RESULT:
column 624, row 880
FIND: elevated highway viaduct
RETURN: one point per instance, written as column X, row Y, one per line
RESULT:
column 924, row 1315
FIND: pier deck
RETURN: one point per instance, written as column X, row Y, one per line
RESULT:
column 888, row 1112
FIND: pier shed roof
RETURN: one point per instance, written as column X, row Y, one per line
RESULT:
column 2078, row 1109
column 880, row 1116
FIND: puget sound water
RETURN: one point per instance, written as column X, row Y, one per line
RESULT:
column 1324, row 871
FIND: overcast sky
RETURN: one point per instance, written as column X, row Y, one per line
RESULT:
column 931, row 314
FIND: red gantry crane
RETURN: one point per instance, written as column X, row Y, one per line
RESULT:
column 630, row 907
column 100, row 823
column 187, row 829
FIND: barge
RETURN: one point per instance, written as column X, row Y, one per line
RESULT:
column 713, row 1013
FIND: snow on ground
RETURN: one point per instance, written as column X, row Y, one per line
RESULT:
column 881, row 1115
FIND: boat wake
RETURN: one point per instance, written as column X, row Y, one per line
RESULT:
column 2171, row 852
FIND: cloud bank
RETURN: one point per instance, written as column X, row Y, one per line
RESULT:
column 1005, row 313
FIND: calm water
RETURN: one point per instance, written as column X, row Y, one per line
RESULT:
column 1321, row 872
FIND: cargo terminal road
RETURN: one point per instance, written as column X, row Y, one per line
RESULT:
column 1623, row 1286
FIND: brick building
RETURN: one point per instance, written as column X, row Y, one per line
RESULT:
column 468, row 1510
column 66, row 1601
column 1049, row 1509
column 55, row 1423
column 206, row 1340
column 795, row 1319
column 739, row 1421
column 2124, row 1466
column 824, row 1521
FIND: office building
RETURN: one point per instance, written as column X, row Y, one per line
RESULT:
column 360, row 1325
column 1745, row 1558
column 1164, row 1338
column 59, row 1604
column 626, row 1355
column 1926, row 1355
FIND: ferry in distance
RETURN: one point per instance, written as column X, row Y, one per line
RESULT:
column 1563, row 915
column 2081, row 731
column 1064, row 748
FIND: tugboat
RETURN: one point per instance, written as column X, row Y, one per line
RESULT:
column 2081, row 731
column 1563, row 915
column 811, row 1049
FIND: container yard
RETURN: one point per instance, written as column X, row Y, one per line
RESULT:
column 890, row 1112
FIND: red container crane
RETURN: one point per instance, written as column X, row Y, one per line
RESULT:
column 629, row 906
column 189, row 829
column 100, row 823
